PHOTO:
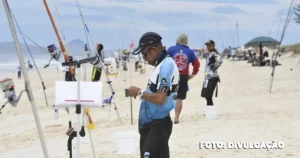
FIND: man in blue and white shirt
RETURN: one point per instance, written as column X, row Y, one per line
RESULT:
column 159, row 98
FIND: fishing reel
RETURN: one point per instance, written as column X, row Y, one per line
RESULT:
column 8, row 88
column 86, row 49
column 54, row 54
column 99, row 55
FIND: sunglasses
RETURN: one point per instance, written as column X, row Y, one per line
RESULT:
column 148, row 50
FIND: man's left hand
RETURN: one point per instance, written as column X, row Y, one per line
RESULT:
column 133, row 91
column 191, row 76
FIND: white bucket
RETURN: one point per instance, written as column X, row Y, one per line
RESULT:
column 211, row 112
column 126, row 142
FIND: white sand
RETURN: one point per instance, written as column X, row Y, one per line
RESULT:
column 247, row 113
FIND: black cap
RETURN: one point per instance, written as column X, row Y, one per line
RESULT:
column 70, row 58
column 148, row 39
column 211, row 42
column 99, row 47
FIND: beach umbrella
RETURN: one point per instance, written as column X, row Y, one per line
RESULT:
column 266, row 41
column 260, row 42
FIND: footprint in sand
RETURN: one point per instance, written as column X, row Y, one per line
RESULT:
column 54, row 128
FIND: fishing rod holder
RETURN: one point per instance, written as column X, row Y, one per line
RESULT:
column 77, row 95
column 79, row 62
column 72, row 134
column 7, row 86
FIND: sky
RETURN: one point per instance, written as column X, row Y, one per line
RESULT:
column 115, row 23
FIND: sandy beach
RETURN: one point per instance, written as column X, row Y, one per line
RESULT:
column 247, row 113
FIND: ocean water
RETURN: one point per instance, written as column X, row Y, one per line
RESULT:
column 10, row 63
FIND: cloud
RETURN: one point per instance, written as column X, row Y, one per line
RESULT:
column 228, row 10
column 117, row 23
column 169, row 17
column 150, row 6
column 235, row 1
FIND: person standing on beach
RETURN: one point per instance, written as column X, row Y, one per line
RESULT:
column 211, row 79
column 97, row 64
column 19, row 72
column 183, row 57
column 68, row 75
column 229, row 53
column 159, row 98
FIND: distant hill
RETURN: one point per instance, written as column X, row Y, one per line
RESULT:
column 76, row 47
column 9, row 48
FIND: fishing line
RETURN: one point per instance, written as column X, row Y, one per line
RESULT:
column 279, row 25
column 33, row 41
column 219, row 32
column 288, row 18
column 61, row 27
column 273, row 24
column 86, row 30
column 103, row 67
column 44, row 87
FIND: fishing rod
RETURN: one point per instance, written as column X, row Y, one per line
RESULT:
column 291, row 9
column 52, row 48
column 61, row 27
column 130, row 71
column 237, row 31
column 43, row 85
column 26, row 79
column 279, row 25
column 56, row 56
column 62, row 47
column 219, row 32
column 88, row 49
column 274, row 21
column 87, row 46
column 100, row 62
column 84, row 26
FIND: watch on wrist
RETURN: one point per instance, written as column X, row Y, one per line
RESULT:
column 140, row 94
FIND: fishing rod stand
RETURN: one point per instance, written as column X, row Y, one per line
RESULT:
column 99, row 60
column 8, row 88
column 71, row 133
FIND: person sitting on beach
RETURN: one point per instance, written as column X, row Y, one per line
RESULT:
column 183, row 57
